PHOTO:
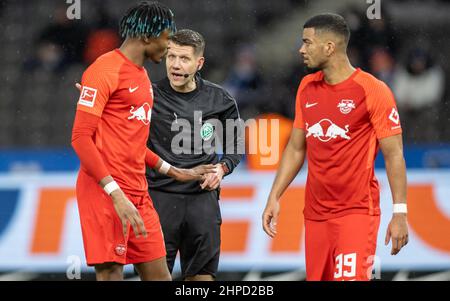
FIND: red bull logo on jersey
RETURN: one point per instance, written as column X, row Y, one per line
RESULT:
column 143, row 113
column 346, row 106
column 325, row 130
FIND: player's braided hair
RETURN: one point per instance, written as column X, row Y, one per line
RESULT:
column 148, row 19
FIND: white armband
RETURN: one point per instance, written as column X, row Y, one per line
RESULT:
column 111, row 187
column 164, row 169
column 400, row 208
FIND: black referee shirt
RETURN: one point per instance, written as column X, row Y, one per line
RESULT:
column 184, row 131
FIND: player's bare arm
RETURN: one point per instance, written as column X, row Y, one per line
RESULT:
column 197, row 173
column 291, row 163
column 125, row 209
column 397, row 230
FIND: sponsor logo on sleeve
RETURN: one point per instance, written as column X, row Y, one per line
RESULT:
column 395, row 118
column 87, row 97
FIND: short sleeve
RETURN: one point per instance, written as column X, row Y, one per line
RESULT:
column 299, row 121
column 97, row 87
column 383, row 111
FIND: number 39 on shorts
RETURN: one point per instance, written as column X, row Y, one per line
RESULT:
column 345, row 266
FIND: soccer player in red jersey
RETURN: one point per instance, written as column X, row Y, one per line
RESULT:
column 110, row 135
column 343, row 115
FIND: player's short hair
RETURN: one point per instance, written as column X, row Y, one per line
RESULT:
column 148, row 19
column 330, row 23
column 187, row 37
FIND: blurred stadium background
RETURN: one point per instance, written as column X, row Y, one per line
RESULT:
column 252, row 50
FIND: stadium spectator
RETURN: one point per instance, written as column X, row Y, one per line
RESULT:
column 244, row 82
column 419, row 89
column 102, row 38
column 59, row 45
column 382, row 65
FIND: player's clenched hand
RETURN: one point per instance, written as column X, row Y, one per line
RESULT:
column 270, row 217
column 213, row 180
column 398, row 231
column 128, row 213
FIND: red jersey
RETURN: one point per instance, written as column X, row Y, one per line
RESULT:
column 343, row 124
column 120, row 94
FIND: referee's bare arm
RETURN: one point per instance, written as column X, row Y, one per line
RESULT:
column 291, row 163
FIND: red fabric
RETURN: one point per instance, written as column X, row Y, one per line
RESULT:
column 151, row 159
column 120, row 94
column 343, row 124
column 342, row 248
column 102, row 229
column 83, row 131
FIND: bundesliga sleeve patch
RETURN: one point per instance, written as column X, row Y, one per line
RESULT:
column 87, row 97
column 395, row 118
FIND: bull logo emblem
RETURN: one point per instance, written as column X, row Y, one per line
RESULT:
column 143, row 113
column 346, row 106
column 333, row 131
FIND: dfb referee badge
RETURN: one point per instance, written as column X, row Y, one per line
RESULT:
column 207, row 131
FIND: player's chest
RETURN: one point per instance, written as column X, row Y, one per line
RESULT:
column 329, row 114
column 135, row 91
column 132, row 101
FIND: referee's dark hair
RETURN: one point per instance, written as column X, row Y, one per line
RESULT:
column 187, row 37
column 328, row 22
column 146, row 20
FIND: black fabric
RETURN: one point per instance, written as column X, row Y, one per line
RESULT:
column 191, row 225
column 171, row 108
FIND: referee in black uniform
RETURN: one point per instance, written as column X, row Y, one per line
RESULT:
column 191, row 119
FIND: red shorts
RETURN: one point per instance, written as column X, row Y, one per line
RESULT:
column 342, row 248
column 102, row 229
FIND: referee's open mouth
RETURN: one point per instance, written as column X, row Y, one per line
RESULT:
column 177, row 76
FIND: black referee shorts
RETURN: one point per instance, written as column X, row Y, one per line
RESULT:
column 191, row 225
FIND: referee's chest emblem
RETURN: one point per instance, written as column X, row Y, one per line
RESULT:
column 207, row 131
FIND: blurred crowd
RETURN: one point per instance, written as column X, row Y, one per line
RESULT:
column 413, row 74
column 65, row 42
column 409, row 67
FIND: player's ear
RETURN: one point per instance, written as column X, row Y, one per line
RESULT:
column 147, row 40
column 330, row 48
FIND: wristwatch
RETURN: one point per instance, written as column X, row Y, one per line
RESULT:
column 225, row 168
